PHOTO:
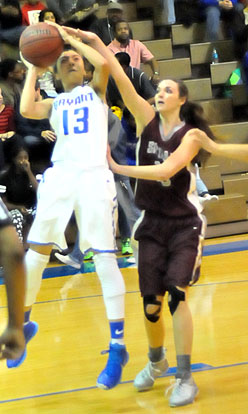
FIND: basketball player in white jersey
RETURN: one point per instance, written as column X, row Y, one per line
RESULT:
column 79, row 181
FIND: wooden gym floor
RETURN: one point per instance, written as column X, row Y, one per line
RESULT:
column 64, row 359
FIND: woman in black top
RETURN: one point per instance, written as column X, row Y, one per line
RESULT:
column 21, row 186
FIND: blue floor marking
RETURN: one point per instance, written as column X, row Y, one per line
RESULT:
column 195, row 368
column 222, row 248
column 89, row 267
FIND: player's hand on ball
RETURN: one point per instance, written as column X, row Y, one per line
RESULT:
column 63, row 33
column 26, row 63
column 31, row 66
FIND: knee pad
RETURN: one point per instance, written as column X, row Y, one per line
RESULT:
column 152, row 300
column 175, row 297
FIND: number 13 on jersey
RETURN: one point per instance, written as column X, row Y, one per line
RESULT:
column 76, row 122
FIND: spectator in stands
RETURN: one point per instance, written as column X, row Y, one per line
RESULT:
column 138, row 78
column 187, row 12
column 7, row 126
column 10, row 22
column 30, row 11
column 137, row 51
column 21, row 186
column 214, row 10
column 202, row 189
column 11, row 79
column 65, row 9
column 37, row 135
column 104, row 28
column 163, row 17
column 47, row 15
column 84, row 17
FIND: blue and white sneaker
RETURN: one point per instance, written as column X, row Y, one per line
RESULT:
column 30, row 330
column 111, row 375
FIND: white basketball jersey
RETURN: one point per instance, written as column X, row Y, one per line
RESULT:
column 80, row 121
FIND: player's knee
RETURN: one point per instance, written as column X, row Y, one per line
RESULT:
column 152, row 308
column 109, row 274
column 175, row 296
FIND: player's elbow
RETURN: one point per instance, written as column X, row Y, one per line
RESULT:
column 24, row 112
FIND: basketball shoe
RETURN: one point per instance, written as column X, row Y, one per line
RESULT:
column 68, row 260
column 183, row 392
column 145, row 379
column 111, row 375
column 126, row 246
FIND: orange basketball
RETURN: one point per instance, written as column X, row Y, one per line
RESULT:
column 41, row 44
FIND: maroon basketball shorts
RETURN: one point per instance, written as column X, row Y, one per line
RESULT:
column 170, row 252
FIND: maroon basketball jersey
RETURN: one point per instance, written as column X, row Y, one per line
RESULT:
column 175, row 197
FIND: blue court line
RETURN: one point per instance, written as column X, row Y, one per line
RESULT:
column 232, row 247
column 171, row 372
column 89, row 267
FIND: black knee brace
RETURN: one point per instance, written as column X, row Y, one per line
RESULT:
column 176, row 296
column 152, row 300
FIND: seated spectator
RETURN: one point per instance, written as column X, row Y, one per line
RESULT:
column 10, row 23
column 65, row 9
column 47, row 15
column 202, row 189
column 137, row 51
column 7, row 126
column 104, row 27
column 30, row 11
column 83, row 17
column 138, row 78
column 37, row 137
column 59, row 7
column 11, row 80
column 21, row 187
column 163, row 17
column 187, row 12
column 214, row 10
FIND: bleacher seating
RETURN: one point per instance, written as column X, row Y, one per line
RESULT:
column 179, row 57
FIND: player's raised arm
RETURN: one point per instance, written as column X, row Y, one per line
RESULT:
column 29, row 108
column 141, row 109
column 101, row 73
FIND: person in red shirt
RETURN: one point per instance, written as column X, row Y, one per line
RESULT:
column 7, row 125
column 30, row 11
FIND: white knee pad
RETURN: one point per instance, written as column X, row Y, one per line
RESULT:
column 35, row 265
column 113, row 286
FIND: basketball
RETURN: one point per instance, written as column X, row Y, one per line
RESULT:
column 41, row 44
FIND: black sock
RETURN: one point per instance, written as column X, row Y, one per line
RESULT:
column 156, row 354
column 183, row 367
